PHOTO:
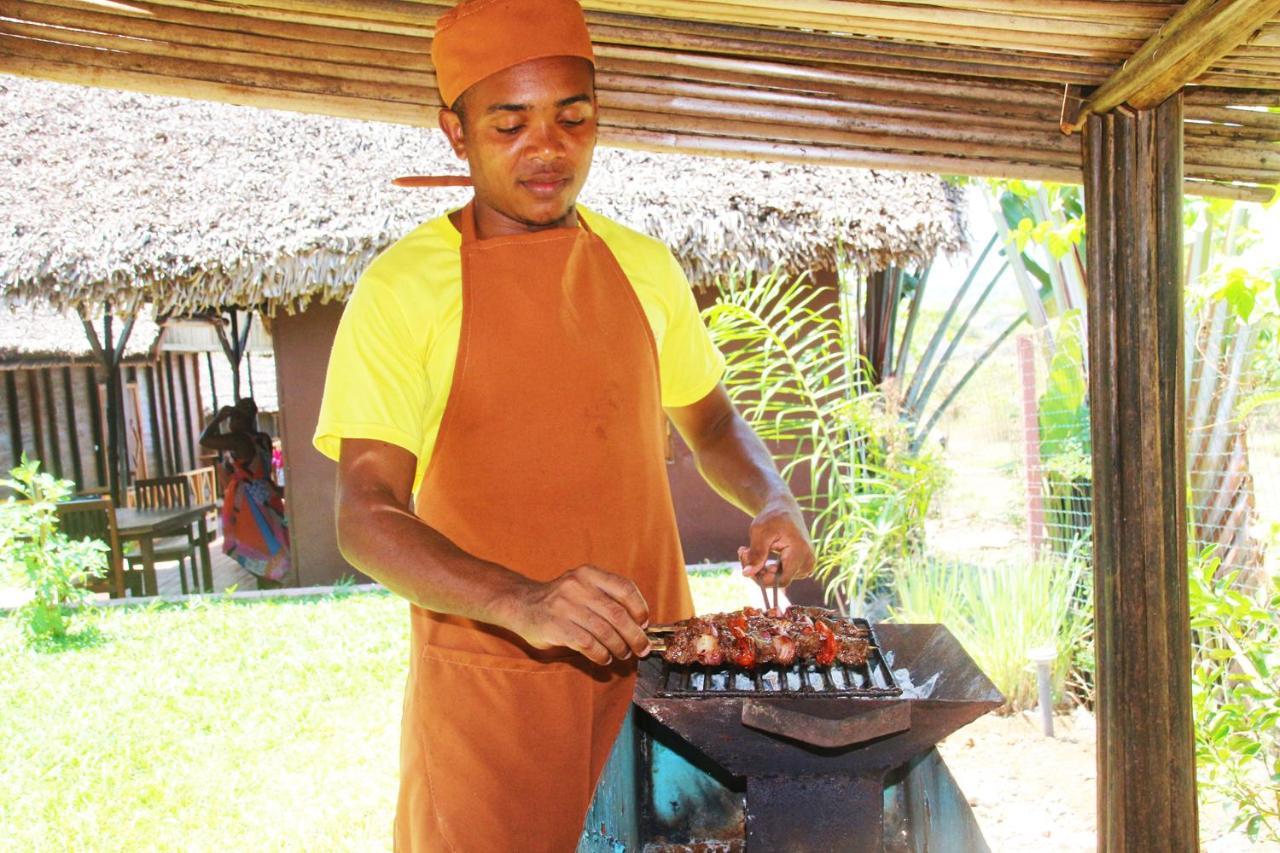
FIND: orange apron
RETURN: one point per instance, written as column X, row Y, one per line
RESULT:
column 550, row 455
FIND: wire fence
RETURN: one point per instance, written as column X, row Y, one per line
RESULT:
column 1042, row 470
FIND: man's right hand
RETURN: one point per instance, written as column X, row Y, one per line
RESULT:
column 594, row 612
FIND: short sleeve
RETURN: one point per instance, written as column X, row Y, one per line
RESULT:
column 376, row 386
column 689, row 363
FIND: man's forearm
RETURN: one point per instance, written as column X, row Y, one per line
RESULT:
column 398, row 550
column 738, row 465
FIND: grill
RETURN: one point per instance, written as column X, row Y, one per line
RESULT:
column 801, row 759
column 872, row 679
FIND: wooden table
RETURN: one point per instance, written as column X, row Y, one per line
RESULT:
column 144, row 525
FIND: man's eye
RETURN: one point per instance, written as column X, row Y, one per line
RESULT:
column 572, row 122
column 510, row 130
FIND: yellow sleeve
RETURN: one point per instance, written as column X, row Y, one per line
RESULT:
column 376, row 386
column 689, row 362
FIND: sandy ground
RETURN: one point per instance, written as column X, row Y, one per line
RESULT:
column 1032, row 793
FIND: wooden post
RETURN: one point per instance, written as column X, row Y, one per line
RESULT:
column 1146, row 755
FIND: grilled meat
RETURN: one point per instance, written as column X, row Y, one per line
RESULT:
column 750, row 637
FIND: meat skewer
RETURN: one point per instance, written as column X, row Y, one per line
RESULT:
column 750, row 637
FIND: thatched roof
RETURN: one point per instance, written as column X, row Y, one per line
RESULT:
column 965, row 87
column 38, row 336
column 104, row 193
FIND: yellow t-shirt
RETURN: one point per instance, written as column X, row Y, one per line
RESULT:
column 393, row 357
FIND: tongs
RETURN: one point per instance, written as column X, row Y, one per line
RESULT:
column 777, row 573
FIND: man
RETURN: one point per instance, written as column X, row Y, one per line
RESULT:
column 495, row 400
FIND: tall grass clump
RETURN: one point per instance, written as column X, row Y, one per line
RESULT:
column 1000, row 612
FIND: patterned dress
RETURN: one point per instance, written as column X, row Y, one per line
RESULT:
column 254, row 530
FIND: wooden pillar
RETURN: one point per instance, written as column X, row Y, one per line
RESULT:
column 1146, row 754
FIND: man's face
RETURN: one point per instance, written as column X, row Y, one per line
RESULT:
column 528, row 134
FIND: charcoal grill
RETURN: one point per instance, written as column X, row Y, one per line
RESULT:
column 809, row 766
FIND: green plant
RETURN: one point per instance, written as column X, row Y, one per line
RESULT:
column 791, row 374
column 1235, row 686
column 32, row 549
column 1000, row 612
column 1065, row 441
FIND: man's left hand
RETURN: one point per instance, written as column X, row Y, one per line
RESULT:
column 778, row 529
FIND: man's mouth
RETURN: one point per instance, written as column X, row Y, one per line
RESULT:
column 545, row 186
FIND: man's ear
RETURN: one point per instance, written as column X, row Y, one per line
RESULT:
column 451, row 124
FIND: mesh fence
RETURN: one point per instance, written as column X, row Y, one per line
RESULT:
column 1026, row 422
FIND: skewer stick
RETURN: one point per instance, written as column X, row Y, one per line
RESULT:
column 432, row 181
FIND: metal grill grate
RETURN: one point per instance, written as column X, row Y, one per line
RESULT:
column 874, row 678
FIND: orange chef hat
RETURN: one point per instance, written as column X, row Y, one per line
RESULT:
column 477, row 38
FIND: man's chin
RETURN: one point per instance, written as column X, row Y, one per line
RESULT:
column 545, row 218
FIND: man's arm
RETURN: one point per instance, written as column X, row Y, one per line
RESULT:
column 599, row 614
column 736, row 463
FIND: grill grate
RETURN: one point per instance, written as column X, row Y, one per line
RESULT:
column 874, row 678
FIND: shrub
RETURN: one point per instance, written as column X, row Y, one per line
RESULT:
column 42, row 559
column 1235, row 686
column 998, row 613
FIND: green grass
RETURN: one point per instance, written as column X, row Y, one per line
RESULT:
column 267, row 725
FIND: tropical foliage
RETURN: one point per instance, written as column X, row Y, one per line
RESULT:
column 38, row 556
column 1236, row 694
column 792, row 377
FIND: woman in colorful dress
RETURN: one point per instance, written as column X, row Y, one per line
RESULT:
column 254, row 531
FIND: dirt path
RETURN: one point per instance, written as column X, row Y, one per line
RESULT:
column 1032, row 793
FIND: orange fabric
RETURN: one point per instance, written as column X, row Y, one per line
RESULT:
column 550, row 455
column 478, row 38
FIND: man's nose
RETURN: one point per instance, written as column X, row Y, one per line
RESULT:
column 547, row 141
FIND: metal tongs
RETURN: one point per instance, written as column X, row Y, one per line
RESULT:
column 776, row 566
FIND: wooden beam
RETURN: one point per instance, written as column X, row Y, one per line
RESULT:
column 1146, row 754
column 95, row 418
column 71, row 420
column 1198, row 35
column 53, row 464
column 15, row 421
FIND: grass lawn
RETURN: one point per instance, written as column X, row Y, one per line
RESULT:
column 215, row 725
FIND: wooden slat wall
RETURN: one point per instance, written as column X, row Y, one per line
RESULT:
column 57, row 414
column 966, row 86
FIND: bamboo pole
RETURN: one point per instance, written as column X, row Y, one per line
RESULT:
column 395, row 83
column 248, row 76
column 1202, row 32
column 168, row 23
column 702, row 115
column 660, row 141
column 852, row 117
column 1038, row 41
column 849, row 15
column 856, row 51
column 70, row 71
column 772, row 73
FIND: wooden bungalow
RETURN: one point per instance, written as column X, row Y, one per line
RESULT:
column 53, row 398
column 1167, row 97
column 281, row 212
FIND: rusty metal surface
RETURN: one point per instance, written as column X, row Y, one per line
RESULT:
column 826, row 724
column 829, row 813
column 925, row 810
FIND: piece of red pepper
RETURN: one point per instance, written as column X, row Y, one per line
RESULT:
column 744, row 651
column 827, row 654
